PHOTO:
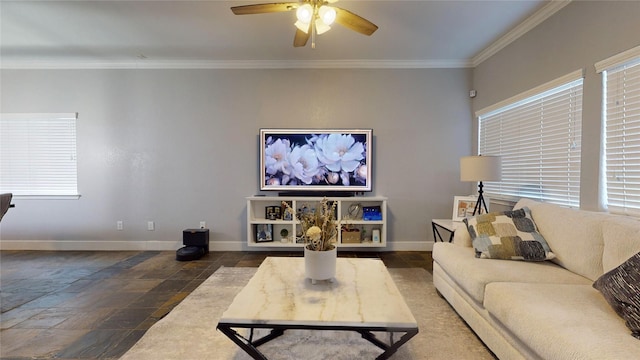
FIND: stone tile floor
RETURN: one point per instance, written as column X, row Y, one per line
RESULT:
column 97, row 304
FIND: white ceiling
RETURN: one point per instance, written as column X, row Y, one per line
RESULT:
column 181, row 33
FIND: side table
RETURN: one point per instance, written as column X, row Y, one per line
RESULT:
column 444, row 224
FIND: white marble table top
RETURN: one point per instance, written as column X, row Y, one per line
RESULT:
column 363, row 294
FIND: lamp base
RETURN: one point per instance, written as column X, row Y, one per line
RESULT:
column 480, row 203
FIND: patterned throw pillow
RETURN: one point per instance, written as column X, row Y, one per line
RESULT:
column 508, row 235
column 621, row 288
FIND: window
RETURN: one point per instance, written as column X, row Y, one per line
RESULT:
column 38, row 154
column 538, row 135
column 621, row 113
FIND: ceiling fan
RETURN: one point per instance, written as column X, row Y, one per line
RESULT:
column 313, row 17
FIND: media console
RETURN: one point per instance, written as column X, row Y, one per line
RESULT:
column 361, row 229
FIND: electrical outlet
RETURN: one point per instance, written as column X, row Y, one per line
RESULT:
column 203, row 224
column 150, row 226
column 119, row 225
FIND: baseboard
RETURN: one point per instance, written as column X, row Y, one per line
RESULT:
column 153, row 245
column 89, row 245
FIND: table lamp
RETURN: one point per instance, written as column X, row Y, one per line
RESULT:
column 478, row 169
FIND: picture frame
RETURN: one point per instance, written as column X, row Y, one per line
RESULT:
column 264, row 233
column 287, row 215
column 273, row 212
column 463, row 207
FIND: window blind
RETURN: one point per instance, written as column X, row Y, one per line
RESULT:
column 621, row 94
column 539, row 140
column 38, row 154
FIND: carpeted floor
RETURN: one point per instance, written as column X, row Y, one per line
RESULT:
column 188, row 331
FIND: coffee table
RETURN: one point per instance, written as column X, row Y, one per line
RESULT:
column 362, row 298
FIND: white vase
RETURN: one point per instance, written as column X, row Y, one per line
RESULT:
column 320, row 265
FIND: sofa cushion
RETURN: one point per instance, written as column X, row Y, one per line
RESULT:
column 621, row 288
column 621, row 237
column 559, row 321
column 508, row 235
column 473, row 274
column 574, row 236
column 461, row 235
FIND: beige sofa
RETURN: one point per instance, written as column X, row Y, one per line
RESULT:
column 544, row 310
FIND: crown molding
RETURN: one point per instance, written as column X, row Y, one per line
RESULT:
column 235, row 64
column 531, row 22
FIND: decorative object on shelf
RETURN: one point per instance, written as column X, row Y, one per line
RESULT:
column 350, row 235
column 319, row 230
column 264, row 232
column 478, row 169
column 371, row 213
column 272, row 212
column 464, row 206
column 376, row 235
column 287, row 212
column 284, row 235
column 355, row 211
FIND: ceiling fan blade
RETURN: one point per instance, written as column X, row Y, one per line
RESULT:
column 264, row 8
column 354, row 22
column 301, row 37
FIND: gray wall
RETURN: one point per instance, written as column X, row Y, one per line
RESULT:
column 578, row 36
column 181, row 146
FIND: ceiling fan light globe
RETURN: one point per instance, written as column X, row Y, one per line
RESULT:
column 302, row 26
column 327, row 14
column 304, row 13
column 321, row 27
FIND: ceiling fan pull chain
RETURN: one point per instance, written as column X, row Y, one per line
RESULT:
column 313, row 34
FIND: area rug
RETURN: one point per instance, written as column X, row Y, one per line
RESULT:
column 189, row 330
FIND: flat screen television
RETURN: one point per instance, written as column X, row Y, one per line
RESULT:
column 316, row 160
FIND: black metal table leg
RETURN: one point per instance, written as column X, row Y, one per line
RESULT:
column 435, row 227
column 246, row 345
column 435, row 232
column 250, row 346
column 389, row 349
column 395, row 346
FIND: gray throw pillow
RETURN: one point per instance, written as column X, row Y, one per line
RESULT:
column 621, row 288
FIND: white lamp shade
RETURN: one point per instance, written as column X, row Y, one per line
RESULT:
column 480, row 168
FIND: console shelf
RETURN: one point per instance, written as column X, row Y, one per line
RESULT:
column 349, row 213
